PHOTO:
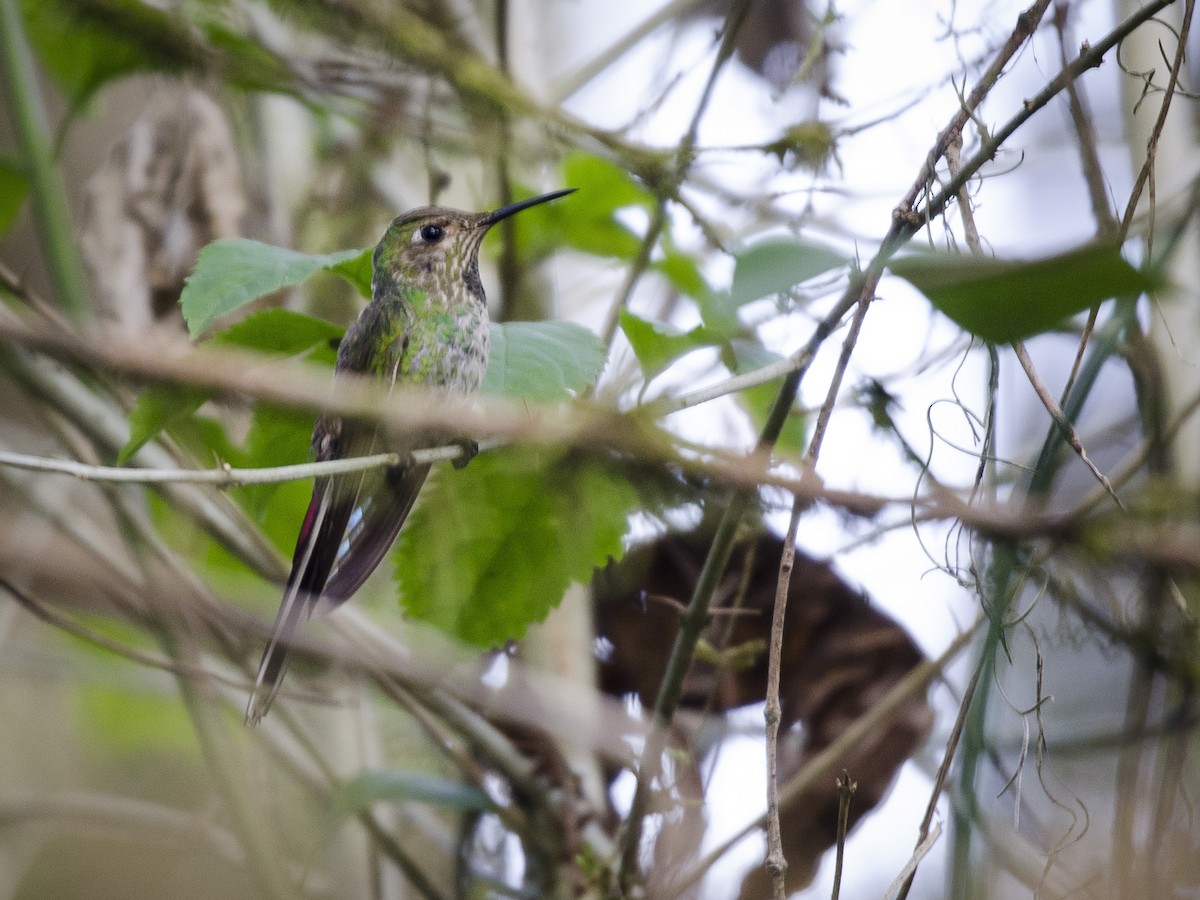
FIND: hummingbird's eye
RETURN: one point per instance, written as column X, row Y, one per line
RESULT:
column 431, row 234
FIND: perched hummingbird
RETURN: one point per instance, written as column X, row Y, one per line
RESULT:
column 426, row 325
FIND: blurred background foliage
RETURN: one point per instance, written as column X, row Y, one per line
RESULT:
column 186, row 191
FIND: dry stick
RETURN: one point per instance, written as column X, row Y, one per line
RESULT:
column 1060, row 419
column 1093, row 176
column 1089, row 58
column 966, row 213
column 939, row 781
column 775, row 862
column 184, row 576
column 1146, row 172
column 846, row 789
column 904, row 225
column 1027, row 23
column 910, row 867
column 53, row 617
column 226, row 476
column 105, row 425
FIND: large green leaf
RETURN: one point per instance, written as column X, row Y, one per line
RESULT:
column 358, row 270
column 657, row 344
column 231, row 273
column 542, row 361
column 775, row 266
column 1003, row 300
column 490, row 549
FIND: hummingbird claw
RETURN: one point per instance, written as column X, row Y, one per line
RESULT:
column 470, row 449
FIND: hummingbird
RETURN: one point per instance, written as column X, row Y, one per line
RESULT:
column 427, row 326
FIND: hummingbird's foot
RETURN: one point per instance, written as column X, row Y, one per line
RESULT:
column 470, row 449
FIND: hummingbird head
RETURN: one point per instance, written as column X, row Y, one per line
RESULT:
column 436, row 250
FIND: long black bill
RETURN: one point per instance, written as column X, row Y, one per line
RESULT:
column 513, row 208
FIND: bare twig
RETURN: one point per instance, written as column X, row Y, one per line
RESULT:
column 846, row 788
column 906, row 874
column 776, row 863
column 225, row 476
column 1070, row 434
column 924, row 834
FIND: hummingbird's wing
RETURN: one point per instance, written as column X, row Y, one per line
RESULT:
column 374, row 523
column 350, row 524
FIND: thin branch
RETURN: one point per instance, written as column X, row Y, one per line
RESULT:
column 924, row 834
column 1090, row 57
column 1146, row 172
column 846, row 788
column 1093, row 175
column 576, row 80
column 637, row 268
column 138, row 820
column 53, row 617
column 226, row 476
column 906, row 874
column 1027, row 23
column 1070, row 434
column 776, row 862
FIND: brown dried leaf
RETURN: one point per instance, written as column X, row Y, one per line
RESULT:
column 840, row 655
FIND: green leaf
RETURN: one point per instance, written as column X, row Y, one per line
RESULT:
column 159, row 407
column 604, row 186
column 683, row 273
column 390, row 786
column 490, row 549
column 231, row 273
column 773, row 267
column 13, row 187
column 657, row 345
column 280, row 331
column 542, row 361
column 746, row 356
column 586, row 220
column 358, row 270
column 1003, row 300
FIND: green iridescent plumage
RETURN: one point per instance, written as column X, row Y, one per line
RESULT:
column 426, row 325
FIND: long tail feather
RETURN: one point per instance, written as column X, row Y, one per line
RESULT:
column 316, row 551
